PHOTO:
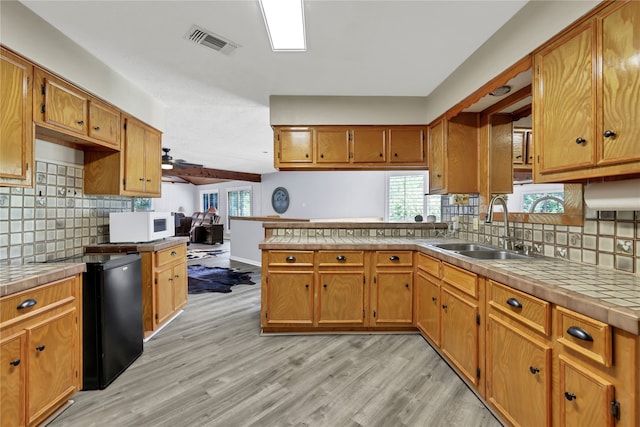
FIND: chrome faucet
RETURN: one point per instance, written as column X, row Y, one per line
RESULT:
column 506, row 239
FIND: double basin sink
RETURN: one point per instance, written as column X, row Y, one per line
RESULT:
column 479, row 251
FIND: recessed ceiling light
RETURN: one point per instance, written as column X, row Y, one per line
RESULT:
column 502, row 90
column 285, row 24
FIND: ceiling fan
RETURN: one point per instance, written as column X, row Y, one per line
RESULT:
column 169, row 163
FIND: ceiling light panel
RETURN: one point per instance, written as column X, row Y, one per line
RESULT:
column 285, row 24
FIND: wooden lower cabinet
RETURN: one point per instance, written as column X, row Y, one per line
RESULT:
column 585, row 398
column 427, row 306
column 289, row 298
column 392, row 288
column 518, row 374
column 164, row 286
column 40, row 351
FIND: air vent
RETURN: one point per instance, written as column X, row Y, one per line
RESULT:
column 209, row 39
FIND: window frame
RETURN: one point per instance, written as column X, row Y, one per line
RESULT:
column 237, row 189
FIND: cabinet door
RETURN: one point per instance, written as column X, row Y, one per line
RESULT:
column 332, row 145
column 341, row 299
column 565, row 107
column 294, row 145
column 406, row 145
column 133, row 153
column 428, row 307
column 585, row 397
column 152, row 162
column 437, row 153
column 393, row 296
column 180, row 285
column 12, row 387
column 519, row 147
column 104, row 123
column 459, row 336
column 64, row 106
column 290, row 298
column 518, row 375
column 163, row 296
column 50, row 352
column 369, row 145
column 16, row 119
column 620, row 83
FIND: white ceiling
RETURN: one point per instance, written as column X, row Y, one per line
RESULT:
column 218, row 105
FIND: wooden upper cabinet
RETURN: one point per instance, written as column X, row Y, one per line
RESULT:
column 332, row 145
column 369, row 145
column 64, row 113
column 62, row 105
column 104, row 123
column 620, row 83
column 16, row 118
column 565, row 105
column 586, row 91
column 349, row 147
column 293, row 145
column 142, row 159
column 453, row 154
column 406, row 145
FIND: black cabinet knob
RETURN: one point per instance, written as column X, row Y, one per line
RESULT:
column 307, row 155
column 341, row 258
column 406, row 285
column 394, row 258
column 609, row 134
column 27, row 303
column 322, row 156
column 15, row 362
column 40, row 348
column 514, row 303
column 80, row 122
column 533, row 370
column 580, row 141
column 569, row 396
column 395, row 154
column 325, row 286
column 578, row 332
column 291, row 259
column 306, row 286
column 444, row 306
column 96, row 128
column 381, row 155
column 434, row 299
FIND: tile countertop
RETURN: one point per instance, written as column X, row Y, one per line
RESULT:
column 156, row 245
column 16, row 278
column 607, row 295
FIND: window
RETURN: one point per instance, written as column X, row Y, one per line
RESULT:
column 543, row 202
column 209, row 200
column 239, row 204
column 406, row 198
column 141, row 204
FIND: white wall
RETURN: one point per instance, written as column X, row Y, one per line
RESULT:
column 31, row 36
column 176, row 195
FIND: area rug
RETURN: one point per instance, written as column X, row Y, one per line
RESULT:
column 215, row 279
column 193, row 254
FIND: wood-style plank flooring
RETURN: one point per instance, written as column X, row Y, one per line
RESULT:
column 211, row 367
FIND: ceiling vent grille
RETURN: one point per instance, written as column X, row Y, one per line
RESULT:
column 213, row 41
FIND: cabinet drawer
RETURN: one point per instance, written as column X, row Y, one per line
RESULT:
column 460, row 279
column 394, row 258
column 290, row 258
column 585, row 335
column 429, row 265
column 170, row 255
column 36, row 298
column 525, row 308
column 340, row 258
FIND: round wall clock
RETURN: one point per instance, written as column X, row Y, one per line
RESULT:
column 280, row 200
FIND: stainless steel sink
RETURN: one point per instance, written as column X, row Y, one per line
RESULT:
column 492, row 254
column 464, row 247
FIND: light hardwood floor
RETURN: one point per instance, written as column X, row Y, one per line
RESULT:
column 211, row 367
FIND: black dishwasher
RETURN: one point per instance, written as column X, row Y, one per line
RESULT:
column 111, row 316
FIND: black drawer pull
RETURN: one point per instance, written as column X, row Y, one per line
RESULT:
column 434, row 299
column 80, row 122
column 569, row 396
column 514, row 303
column 325, row 286
column 306, row 286
column 96, row 128
column 291, row 259
column 533, row 370
column 578, row 332
column 174, row 253
column 394, row 258
column 27, row 303
column 406, row 285
column 341, row 258
column 40, row 348
column 14, row 362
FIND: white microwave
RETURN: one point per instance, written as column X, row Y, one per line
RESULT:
column 129, row 227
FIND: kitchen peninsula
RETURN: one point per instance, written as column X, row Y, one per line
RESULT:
column 559, row 329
